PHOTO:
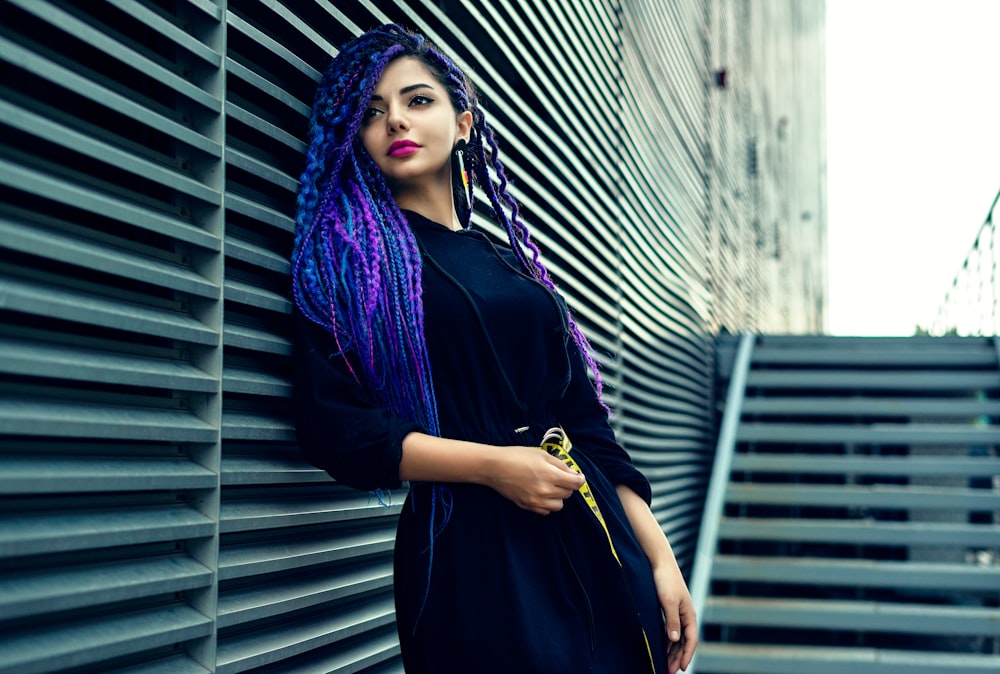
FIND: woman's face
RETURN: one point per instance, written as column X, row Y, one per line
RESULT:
column 410, row 127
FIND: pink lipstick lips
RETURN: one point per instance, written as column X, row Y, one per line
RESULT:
column 402, row 148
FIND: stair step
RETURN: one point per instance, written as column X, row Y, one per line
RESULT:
column 841, row 464
column 857, row 573
column 872, row 434
column 855, row 616
column 856, row 496
column 940, row 380
column 827, row 406
column 860, row 532
column 766, row 659
column 836, row 343
column 980, row 354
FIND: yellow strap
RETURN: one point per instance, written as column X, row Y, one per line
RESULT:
column 557, row 444
column 560, row 448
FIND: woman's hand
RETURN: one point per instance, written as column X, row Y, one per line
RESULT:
column 527, row 476
column 678, row 609
column 532, row 479
column 671, row 590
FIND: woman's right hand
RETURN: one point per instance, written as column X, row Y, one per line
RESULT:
column 532, row 479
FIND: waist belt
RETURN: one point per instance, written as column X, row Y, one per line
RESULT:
column 556, row 443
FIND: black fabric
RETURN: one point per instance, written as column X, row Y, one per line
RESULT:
column 510, row 591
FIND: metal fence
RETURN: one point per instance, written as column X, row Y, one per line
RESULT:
column 970, row 304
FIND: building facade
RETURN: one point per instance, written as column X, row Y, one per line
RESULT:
column 157, row 516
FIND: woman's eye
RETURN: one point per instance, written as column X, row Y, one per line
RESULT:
column 420, row 99
column 372, row 112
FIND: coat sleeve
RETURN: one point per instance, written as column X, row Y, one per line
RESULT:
column 585, row 421
column 339, row 426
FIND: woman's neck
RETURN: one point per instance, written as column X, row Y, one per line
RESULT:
column 434, row 204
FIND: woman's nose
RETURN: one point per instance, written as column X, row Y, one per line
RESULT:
column 396, row 119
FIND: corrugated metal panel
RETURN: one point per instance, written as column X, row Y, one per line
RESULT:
column 111, row 231
column 666, row 346
column 163, row 519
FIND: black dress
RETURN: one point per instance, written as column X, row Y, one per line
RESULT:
column 510, row 591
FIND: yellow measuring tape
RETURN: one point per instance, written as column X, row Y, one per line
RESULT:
column 556, row 443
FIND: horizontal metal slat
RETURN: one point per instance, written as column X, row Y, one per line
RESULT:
column 846, row 464
column 944, row 380
column 377, row 654
column 241, row 380
column 208, row 7
column 259, row 213
column 245, row 651
column 245, row 426
column 856, row 496
column 178, row 664
column 874, row 434
column 259, row 515
column 838, row 343
column 41, row 67
column 32, row 593
column 244, row 116
column 852, row 615
column 259, row 256
column 860, row 532
column 259, row 298
column 59, row 419
column 61, row 361
column 825, row 406
column 254, row 166
column 60, row 474
column 94, row 640
column 246, row 470
column 60, row 531
column 322, row 547
column 74, row 194
column 244, row 605
column 254, row 339
column 857, row 573
column 647, row 443
column 974, row 354
column 69, row 304
column 772, row 659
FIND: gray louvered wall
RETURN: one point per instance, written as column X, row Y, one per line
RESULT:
column 156, row 516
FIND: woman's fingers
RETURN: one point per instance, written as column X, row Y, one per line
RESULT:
column 679, row 617
column 535, row 480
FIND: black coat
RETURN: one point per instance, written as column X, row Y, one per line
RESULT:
column 510, row 591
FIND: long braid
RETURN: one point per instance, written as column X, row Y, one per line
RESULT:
column 518, row 234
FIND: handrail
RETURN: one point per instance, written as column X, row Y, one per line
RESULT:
column 970, row 305
column 708, row 537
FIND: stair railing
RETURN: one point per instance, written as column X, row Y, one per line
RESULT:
column 971, row 303
column 708, row 536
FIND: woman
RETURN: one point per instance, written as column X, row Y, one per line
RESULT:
column 427, row 353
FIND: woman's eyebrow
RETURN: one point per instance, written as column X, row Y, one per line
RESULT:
column 405, row 90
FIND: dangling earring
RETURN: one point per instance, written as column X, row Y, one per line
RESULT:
column 466, row 185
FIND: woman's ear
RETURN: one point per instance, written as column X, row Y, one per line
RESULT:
column 465, row 125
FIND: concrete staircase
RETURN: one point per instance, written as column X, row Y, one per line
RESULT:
column 859, row 525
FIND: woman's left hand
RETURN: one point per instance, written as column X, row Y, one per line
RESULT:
column 671, row 590
column 678, row 608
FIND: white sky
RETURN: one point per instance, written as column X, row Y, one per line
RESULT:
column 913, row 145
